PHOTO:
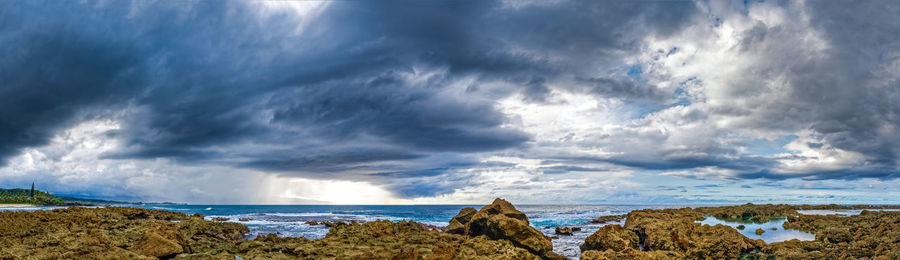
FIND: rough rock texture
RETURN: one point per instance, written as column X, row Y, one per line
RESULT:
column 153, row 244
column 458, row 223
column 382, row 240
column 501, row 207
column 612, row 237
column 872, row 234
column 131, row 233
column 610, row 218
column 672, row 234
column 630, row 254
column 759, row 231
column 564, row 231
column 118, row 233
column 749, row 213
column 675, row 230
column 501, row 220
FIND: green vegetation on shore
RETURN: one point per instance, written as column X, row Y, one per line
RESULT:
column 24, row 196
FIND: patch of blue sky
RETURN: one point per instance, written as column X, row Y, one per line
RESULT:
column 635, row 72
column 641, row 109
column 682, row 98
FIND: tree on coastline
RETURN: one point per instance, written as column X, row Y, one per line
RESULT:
column 31, row 194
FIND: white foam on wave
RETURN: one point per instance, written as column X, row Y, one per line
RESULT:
column 164, row 208
column 29, row 208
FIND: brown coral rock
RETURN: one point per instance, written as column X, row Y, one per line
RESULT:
column 673, row 234
column 610, row 218
column 153, row 244
column 458, row 223
column 611, row 237
column 501, row 220
column 564, row 231
column 669, row 231
column 109, row 233
column 629, row 254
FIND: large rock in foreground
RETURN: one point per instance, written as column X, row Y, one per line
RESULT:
column 500, row 220
column 612, row 237
column 675, row 234
column 110, row 233
column 380, row 240
column 153, row 244
column 458, row 223
column 131, row 233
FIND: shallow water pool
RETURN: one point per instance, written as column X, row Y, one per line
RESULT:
column 770, row 236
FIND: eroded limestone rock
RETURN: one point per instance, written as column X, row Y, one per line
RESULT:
column 458, row 223
column 501, row 220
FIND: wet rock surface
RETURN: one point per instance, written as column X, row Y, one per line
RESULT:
column 760, row 231
column 566, row 231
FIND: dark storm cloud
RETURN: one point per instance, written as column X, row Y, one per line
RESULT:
column 682, row 159
column 568, row 169
column 335, row 162
column 225, row 83
column 627, row 89
column 858, row 113
column 48, row 77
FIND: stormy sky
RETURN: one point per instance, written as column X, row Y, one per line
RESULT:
column 383, row 102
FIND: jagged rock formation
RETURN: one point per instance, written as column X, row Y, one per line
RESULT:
column 500, row 220
column 566, row 231
column 669, row 232
column 605, row 219
column 117, row 233
column 497, row 231
column 379, row 240
column 458, row 223
column 872, row 234
column 613, row 237
column 672, row 234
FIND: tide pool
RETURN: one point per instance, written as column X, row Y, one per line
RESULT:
column 770, row 236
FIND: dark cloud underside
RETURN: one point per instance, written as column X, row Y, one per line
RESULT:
column 404, row 94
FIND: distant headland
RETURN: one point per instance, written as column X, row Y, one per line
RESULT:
column 33, row 197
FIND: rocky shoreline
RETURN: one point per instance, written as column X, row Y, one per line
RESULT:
column 496, row 231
